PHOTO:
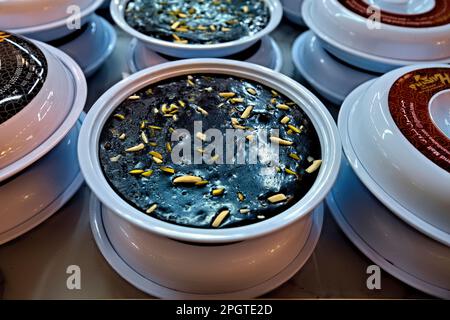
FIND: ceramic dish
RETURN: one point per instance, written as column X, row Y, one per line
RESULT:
column 366, row 214
column 27, row 201
column 393, row 245
column 36, row 96
column 332, row 79
column 181, row 50
column 267, row 54
column 106, row 4
column 207, row 252
column 151, row 286
column 43, row 89
column 90, row 46
column 384, row 139
column 45, row 20
column 293, row 11
column 348, row 35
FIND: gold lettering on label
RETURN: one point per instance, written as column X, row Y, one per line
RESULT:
column 424, row 81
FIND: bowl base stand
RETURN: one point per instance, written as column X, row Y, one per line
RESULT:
column 48, row 211
column 154, row 289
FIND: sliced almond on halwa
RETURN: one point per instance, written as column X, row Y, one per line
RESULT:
column 277, row 198
column 187, row 179
column 220, row 217
column 315, row 165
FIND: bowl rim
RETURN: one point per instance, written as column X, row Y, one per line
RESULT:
column 102, row 29
column 309, row 21
column 134, row 44
column 79, row 100
column 297, row 52
column 312, row 106
column 58, row 23
column 371, row 184
column 276, row 14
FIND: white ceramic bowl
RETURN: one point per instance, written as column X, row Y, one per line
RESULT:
column 189, row 259
column 267, row 55
column 44, row 20
column 395, row 144
column 293, row 11
column 347, row 36
column 37, row 185
column 393, row 245
column 197, row 50
column 337, row 21
column 38, row 115
column 331, row 78
column 92, row 47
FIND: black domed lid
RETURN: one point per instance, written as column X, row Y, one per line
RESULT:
column 23, row 70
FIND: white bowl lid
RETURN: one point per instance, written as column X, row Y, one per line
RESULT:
column 419, row 103
column 400, row 133
column 36, row 94
column 417, row 30
column 17, row 14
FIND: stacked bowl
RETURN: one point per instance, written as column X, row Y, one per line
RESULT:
column 173, row 260
column 293, row 11
column 42, row 95
column 73, row 28
column 149, row 49
column 392, row 194
column 352, row 41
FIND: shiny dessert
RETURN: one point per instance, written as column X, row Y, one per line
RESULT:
column 197, row 22
column 138, row 151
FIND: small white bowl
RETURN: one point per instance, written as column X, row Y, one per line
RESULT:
column 331, row 78
column 36, row 114
column 197, row 50
column 92, row 47
column 37, row 185
column 293, row 11
column 44, row 20
column 390, row 243
column 267, row 55
column 389, row 159
column 190, row 259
